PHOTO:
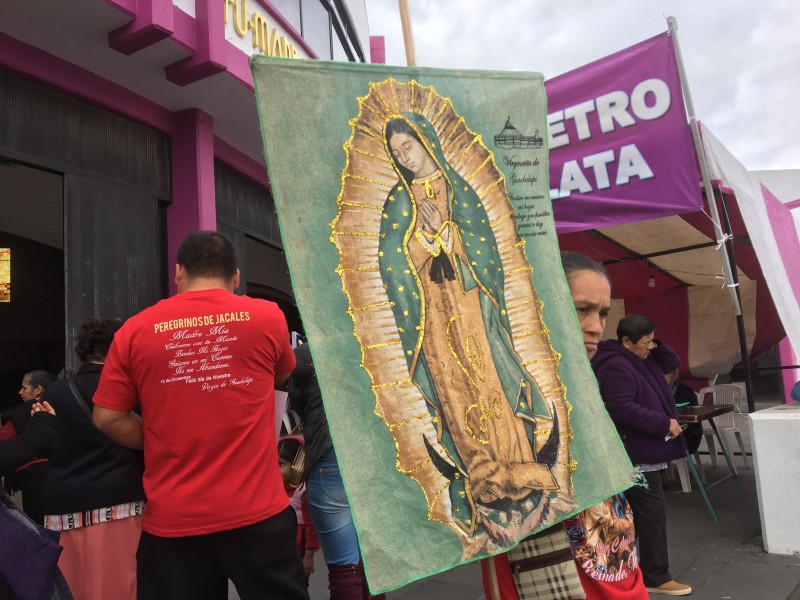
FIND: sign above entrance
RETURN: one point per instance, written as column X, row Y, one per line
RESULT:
column 253, row 30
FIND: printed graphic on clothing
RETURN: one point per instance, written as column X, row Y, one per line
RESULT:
column 202, row 350
column 603, row 540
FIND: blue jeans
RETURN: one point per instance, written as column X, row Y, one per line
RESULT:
column 330, row 512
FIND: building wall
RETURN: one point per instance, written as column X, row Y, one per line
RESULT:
column 142, row 105
column 116, row 175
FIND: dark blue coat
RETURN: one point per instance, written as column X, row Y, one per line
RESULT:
column 639, row 400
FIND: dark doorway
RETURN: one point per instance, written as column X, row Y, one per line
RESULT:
column 32, row 331
column 267, row 277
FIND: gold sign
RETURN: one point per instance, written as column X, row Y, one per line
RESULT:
column 5, row 274
column 268, row 40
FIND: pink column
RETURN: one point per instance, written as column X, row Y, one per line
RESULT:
column 193, row 196
column 788, row 376
column 377, row 49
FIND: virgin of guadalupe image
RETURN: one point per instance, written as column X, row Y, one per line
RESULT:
column 442, row 300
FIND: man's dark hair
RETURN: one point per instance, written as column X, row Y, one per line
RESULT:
column 42, row 378
column 94, row 338
column 634, row 327
column 207, row 254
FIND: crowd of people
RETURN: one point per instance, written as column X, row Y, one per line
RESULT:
column 158, row 466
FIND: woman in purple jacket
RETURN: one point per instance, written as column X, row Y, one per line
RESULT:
column 630, row 371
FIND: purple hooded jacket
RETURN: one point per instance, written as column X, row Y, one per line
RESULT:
column 638, row 399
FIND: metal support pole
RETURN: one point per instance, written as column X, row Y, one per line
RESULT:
column 748, row 378
column 701, row 159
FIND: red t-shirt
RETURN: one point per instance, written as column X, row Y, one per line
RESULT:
column 202, row 365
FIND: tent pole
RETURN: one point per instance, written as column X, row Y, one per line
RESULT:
column 748, row 378
column 701, row 159
column 725, row 249
column 650, row 255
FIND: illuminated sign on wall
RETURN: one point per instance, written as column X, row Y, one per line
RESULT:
column 5, row 274
column 265, row 37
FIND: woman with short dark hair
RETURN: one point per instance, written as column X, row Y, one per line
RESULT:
column 95, row 496
column 630, row 371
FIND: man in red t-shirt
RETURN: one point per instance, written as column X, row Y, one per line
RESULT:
column 203, row 366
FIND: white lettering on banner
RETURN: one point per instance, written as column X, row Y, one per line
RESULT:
column 613, row 107
column 598, row 163
column 649, row 100
column 630, row 163
column 580, row 115
column 556, row 130
column 572, row 180
column 661, row 99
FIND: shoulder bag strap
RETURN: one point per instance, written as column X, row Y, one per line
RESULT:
column 78, row 398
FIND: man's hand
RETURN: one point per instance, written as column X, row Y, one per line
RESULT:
column 308, row 562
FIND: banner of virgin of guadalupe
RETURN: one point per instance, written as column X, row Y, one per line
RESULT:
column 415, row 217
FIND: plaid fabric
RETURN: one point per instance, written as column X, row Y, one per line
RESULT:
column 544, row 567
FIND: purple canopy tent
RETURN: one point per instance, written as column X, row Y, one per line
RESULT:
column 625, row 184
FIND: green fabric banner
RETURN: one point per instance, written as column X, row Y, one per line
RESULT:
column 415, row 215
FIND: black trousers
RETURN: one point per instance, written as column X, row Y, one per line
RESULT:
column 650, row 521
column 262, row 560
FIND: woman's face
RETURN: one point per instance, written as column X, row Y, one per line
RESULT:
column 28, row 392
column 642, row 347
column 409, row 153
column 591, row 295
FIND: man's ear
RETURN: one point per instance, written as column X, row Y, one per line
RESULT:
column 179, row 274
column 236, row 278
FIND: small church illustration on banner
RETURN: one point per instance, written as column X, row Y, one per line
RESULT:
column 511, row 138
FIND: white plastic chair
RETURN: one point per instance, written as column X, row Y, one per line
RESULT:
column 728, row 423
column 681, row 466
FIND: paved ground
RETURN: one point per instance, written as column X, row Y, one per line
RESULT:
column 719, row 560
column 724, row 560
